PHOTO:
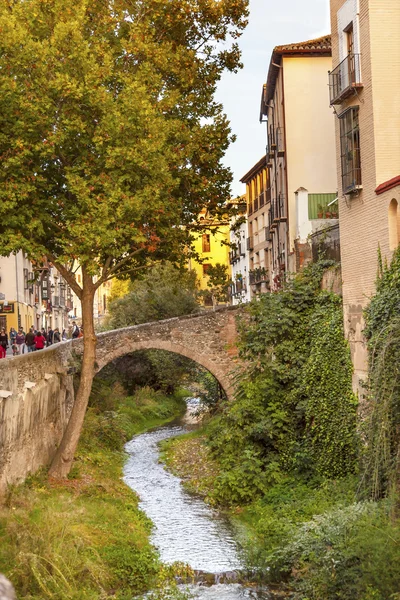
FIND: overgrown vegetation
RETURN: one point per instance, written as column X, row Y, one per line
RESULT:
column 284, row 456
column 85, row 538
column 295, row 412
column 163, row 292
column 382, row 316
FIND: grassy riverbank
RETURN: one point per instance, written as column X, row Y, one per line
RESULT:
column 84, row 538
column 313, row 537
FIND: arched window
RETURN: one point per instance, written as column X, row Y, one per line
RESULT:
column 394, row 224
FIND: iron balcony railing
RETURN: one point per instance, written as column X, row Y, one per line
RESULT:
column 282, row 208
column 277, row 211
column 345, row 78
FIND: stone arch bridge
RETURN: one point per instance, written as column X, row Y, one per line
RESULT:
column 37, row 394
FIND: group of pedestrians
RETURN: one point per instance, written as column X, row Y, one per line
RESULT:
column 35, row 339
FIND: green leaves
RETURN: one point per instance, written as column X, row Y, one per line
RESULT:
column 110, row 137
column 294, row 411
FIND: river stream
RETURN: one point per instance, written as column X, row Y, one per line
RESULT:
column 185, row 528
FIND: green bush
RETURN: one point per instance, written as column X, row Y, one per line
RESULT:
column 349, row 553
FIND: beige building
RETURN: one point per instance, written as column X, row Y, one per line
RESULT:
column 300, row 150
column 258, row 244
column 365, row 93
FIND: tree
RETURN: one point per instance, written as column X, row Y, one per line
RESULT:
column 163, row 292
column 110, row 139
column 218, row 283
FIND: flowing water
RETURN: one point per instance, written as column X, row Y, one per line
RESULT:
column 185, row 528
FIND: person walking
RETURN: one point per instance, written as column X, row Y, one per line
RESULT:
column 12, row 336
column 64, row 336
column 40, row 341
column 3, row 343
column 30, row 340
column 20, row 341
column 75, row 330
column 56, row 336
column 50, row 334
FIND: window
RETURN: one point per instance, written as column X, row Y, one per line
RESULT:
column 350, row 150
column 26, row 282
column 206, row 268
column 206, row 242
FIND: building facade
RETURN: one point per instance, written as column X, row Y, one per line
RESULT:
column 32, row 295
column 258, row 245
column 364, row 90
column 300, row 150
column 239, row 257
column 211, row 245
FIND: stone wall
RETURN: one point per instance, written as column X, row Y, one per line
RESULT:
column 36, row 389
column 36, row 397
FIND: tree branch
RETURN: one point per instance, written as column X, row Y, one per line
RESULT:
column 68, row 276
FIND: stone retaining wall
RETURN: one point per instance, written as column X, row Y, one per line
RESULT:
column 36, row 389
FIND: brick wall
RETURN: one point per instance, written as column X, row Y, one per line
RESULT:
column 363, row 216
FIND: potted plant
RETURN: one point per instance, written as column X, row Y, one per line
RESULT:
column 320, row 211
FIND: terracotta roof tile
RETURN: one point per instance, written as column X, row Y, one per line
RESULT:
column 321, row 43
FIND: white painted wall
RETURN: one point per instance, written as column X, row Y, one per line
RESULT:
column 241, row 266
column 303, row 224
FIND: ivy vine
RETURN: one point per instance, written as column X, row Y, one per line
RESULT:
column 295, row 412
column 382, row 317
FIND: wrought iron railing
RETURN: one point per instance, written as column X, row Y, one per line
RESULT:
column 345, row 78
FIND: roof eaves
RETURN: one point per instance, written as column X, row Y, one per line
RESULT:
column 254, row 170
column 317, row 47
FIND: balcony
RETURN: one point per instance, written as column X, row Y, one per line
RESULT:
column 234, row 255
column 250, row 243
column 268, row 234
column 280, row 144
column 258, row 275
column 255, row 204
column 282, row 208
column 345, row 79
column 261, row 199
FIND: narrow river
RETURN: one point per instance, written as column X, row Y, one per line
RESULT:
column 185, row 528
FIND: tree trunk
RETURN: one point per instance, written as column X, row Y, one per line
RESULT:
column 62, row 461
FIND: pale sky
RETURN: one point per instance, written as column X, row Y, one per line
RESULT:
column 271, row 23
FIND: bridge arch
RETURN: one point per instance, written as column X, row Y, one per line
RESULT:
column 223, row 378
column 209, row 339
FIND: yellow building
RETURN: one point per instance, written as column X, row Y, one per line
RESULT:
column 364, row 89
column 211, row 244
